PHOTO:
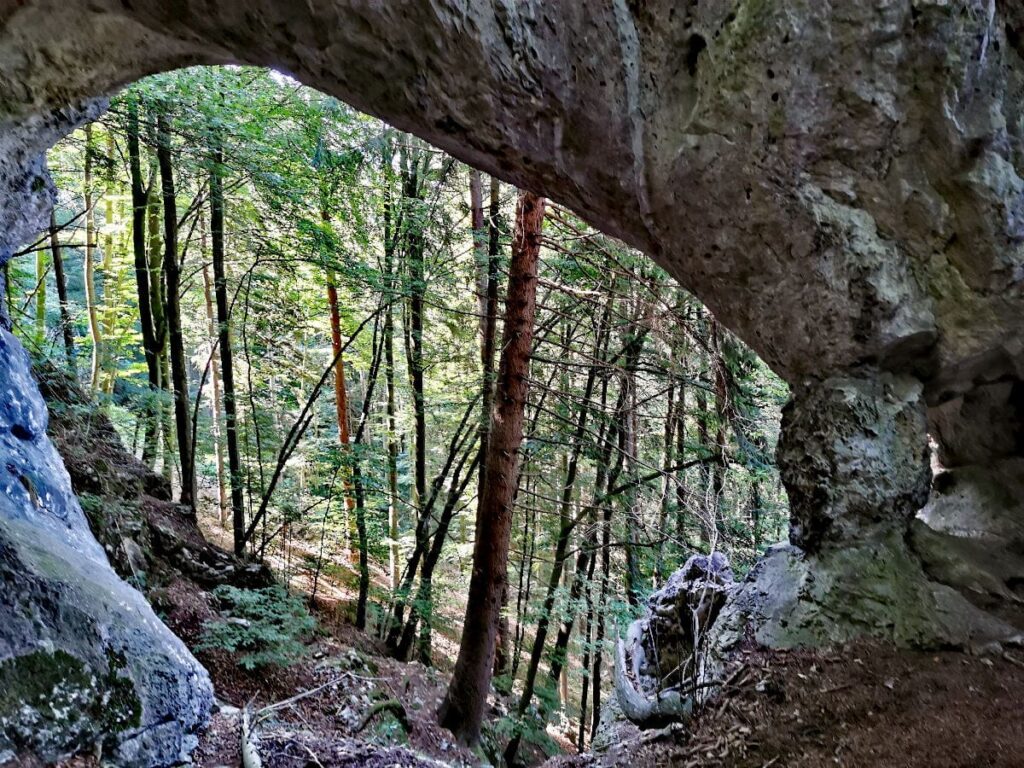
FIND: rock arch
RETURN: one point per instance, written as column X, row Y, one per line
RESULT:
column 838, row 182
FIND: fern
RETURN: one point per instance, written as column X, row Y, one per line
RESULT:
column 264, row 627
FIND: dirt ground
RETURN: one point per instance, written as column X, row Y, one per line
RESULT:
column 344, row 705
column 859, row 707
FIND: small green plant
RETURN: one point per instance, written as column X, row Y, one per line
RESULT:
column 265, row 627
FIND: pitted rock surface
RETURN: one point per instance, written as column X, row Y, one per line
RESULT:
column 83, row 658
column 854, row 457
column 839, row 182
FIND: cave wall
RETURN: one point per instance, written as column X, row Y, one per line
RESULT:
column 838, row 182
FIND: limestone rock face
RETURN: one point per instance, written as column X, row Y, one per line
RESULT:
column 853, row 456
column 839, row 182
column 83, row 658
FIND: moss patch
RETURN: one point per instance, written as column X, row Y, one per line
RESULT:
column 53, row 704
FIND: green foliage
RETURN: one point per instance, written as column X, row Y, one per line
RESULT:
column 264, row 627
column 315, row 191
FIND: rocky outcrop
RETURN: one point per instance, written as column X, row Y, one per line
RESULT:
column 660, row 666
column 85, row 664
column 149, row 540
column 839, row 182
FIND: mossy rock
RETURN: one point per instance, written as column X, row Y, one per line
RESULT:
column 53, row 704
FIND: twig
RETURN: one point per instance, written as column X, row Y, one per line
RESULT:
column 266, row 711
column 250, row 753
column 312, row 754
column 1013, row 660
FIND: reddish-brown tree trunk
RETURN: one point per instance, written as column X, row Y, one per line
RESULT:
column 463, row 708
column 340, row 394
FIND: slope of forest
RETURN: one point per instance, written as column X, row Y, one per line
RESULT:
column 345, row 702
column 293, row 314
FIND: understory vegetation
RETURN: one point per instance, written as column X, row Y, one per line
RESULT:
column 294, row 312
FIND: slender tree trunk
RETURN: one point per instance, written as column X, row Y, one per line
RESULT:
column 110, row 291
column 140, row 205
column 157, row 306
column 523, row 593
column 340, row 391
column 617, row 434
column 489, row 331
column 357, row 476
column 668, row 456
column 41, row 270
column 755, row 513
column 581, row 738
column 67, row 329
column 90, row 266
column 721, row 423
column 634, row 348
column 465, row 702
column 215, row 399
column 476, row 208
column 390, row 240
column 417, row 291
column 680, row 345
column 489, row 319
column 172, row 274
column 226, row 356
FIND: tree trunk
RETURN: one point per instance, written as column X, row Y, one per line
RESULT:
column 390, row 240
column 616, row 435
column 172, row 274
column 107, row 368
column 357, row 476
column 464, row 704
column 67, row 329
column 412, row 192
column 226, row 359
column 215, row 400
column 40, row 324
column 523, row 592
column 476, row 210
column 157, row 306
column 140, row 204
column 581, row 738
column 721, row 423
column 489, row 330
column 633, row 349
column 90, row 265
column 668, row 456
column 340, row 390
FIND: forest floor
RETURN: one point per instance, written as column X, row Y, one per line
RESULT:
column 346, row 704
column 859, row 706
column 343, row 704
